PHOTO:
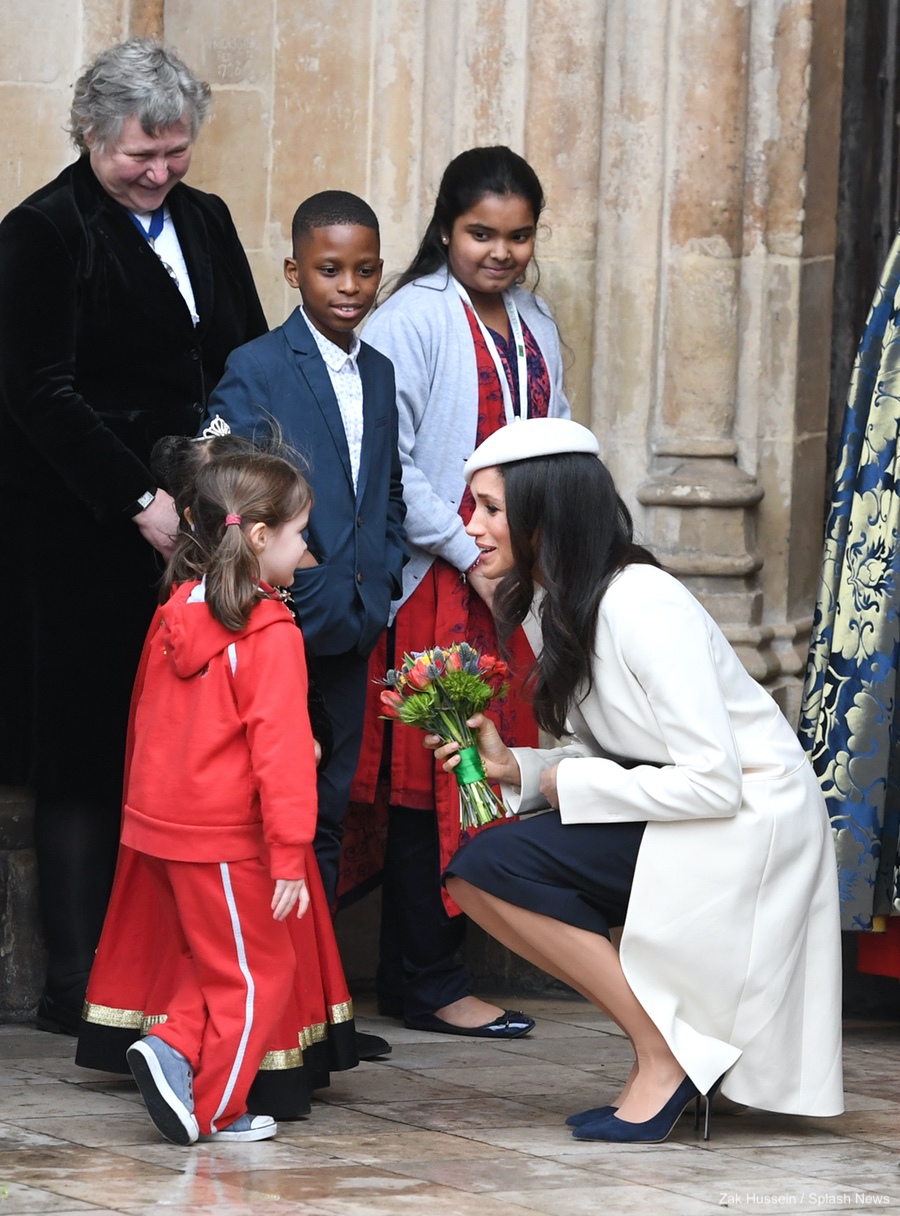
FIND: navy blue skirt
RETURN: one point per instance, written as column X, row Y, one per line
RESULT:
column 578, row 873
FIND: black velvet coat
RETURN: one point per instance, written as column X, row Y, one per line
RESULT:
column 98, row 358
column 98, row 354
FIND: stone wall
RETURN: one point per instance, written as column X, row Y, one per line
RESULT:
column 689, row 152
column 720, row 138
column 22, row 958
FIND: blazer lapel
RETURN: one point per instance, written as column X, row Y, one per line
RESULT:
column 312, row 367
column 368, row 438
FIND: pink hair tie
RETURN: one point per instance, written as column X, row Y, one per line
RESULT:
column 232, row 519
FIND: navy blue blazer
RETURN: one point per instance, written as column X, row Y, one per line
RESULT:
column 358, row 539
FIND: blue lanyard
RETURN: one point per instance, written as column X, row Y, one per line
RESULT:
column 157, row 219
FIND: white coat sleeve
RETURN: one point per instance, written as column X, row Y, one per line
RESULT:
column 666, row 647
column 526, row 797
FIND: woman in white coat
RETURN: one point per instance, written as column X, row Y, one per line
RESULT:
column 684, row 809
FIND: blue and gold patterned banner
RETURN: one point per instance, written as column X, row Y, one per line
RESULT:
column 848, row 723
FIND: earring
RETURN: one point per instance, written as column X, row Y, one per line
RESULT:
column 445, row 240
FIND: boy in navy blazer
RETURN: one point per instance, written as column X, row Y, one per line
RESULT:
column 333, row 398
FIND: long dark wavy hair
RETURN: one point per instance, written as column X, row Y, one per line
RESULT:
column 259, row 487
column 467, row 179
column 571, row 533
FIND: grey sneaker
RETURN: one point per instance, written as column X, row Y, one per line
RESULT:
column 245, row 1127
column 166, row 1082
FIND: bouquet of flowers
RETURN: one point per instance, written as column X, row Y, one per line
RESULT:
column 438, row 690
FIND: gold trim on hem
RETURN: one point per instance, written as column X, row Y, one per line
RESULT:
column 341, row 1013
column 310, row 1035
column 121, row 1019
column 105, row 1015
column 277, row 1061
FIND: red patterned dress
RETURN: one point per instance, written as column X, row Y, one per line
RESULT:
column 442, row 610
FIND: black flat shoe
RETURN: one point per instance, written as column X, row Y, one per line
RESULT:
column 371, row 1046
column 55, row 1017
column 510, row 1025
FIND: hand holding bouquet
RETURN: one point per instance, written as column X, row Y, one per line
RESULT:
column 438, row 690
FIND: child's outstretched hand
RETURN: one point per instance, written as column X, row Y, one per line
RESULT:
column 289, row 891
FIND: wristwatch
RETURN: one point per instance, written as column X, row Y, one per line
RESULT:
column 141, row 504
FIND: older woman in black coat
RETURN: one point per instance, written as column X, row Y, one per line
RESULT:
column 122, row 292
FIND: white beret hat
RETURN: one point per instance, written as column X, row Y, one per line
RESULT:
column 530, row 437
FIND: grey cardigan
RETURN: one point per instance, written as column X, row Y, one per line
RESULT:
column 423, row 330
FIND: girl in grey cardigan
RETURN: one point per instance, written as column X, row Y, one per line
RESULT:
column 472, row 350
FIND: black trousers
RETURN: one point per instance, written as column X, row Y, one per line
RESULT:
column 418, row 970
column 341, row 681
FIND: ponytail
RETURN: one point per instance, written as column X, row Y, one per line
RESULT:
column 232, row 580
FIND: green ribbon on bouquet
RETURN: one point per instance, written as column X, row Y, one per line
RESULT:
column 470, row 768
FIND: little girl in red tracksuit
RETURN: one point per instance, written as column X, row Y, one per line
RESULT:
column 220, row 795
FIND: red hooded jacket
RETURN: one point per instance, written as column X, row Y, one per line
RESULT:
column 222, row 766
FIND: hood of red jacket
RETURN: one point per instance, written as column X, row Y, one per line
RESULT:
column 193, row 637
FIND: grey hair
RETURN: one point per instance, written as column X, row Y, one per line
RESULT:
column 141, row 77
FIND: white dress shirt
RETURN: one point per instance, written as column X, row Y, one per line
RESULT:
column 168, row 249
column 346, row 381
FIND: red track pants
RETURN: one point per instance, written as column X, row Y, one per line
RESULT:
column 234, row 982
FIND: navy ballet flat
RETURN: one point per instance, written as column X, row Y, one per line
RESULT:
column 614, row 1130
column 590, row 1116
column 510, row 1025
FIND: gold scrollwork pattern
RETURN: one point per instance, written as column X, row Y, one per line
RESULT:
column 849, row 724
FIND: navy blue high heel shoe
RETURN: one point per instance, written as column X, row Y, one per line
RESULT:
column 652, row 1131
column 707, row 1097
column 590, row 1116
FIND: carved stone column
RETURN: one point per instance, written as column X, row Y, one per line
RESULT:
column 700, row 503
column 701, row 506
column 714, row 322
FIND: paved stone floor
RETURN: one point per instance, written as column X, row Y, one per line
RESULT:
column 446, row 1127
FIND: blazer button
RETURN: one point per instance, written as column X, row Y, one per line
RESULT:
column 195, row 354
column 359, row 521
column 359, row 577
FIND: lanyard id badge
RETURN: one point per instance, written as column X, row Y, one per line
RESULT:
column 515, row 328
